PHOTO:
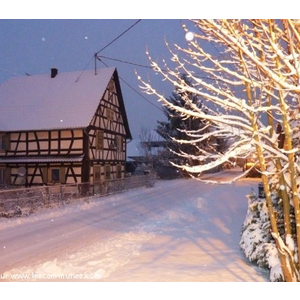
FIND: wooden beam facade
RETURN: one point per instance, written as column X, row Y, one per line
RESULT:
column 69, row 155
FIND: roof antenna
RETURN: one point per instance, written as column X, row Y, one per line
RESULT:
column 95, row 55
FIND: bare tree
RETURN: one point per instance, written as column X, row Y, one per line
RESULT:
column 151, row 147
column 250, row 88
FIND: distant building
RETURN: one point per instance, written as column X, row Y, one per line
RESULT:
column 149, row 145
column 62, row 128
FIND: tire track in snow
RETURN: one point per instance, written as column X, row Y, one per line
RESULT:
column 61, row 233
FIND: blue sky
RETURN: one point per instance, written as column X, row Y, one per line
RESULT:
column 33, row 46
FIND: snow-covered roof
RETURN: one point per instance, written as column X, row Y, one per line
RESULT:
column 39, row 102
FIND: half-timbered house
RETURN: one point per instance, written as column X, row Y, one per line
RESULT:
column 62, row 128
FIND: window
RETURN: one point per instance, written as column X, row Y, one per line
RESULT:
column 4, row 176
column 57, row 175
column 107, row 172
column 99, row 139
column 97, row 173
column 4, row 142
column 109, row 114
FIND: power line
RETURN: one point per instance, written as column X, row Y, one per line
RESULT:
column 84, row 68
column 118, row 36
column 95, row 55
column 123, row 61
column 143, row 66
column 141, row 95
column 134, row 89
column 99, row 58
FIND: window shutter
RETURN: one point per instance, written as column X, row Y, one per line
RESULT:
column 45, row 175
column 7, row 175
column 119, row 171
column 107, row 172
column 7, row 142
column 99, row 140
column 97, row 173
column 62, row 175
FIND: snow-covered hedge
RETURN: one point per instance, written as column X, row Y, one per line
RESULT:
column 256, row 240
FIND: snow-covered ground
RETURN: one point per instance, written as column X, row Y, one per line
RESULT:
column 177, row 231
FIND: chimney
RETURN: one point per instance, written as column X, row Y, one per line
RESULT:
column 54, row 72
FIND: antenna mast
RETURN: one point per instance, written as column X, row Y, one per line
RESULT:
column 95, row 56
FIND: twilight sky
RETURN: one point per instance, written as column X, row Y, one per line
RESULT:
column 33, row 46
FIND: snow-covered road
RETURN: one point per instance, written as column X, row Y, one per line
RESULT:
column 179, row 230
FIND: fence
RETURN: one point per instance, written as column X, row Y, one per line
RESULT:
column 24, row 201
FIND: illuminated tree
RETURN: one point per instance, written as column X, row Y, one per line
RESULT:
column 249, row 84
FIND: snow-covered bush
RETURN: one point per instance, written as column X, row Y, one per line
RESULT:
column 256, row 241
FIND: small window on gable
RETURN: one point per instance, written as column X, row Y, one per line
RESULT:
column 109, row 114
column 99, row 139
